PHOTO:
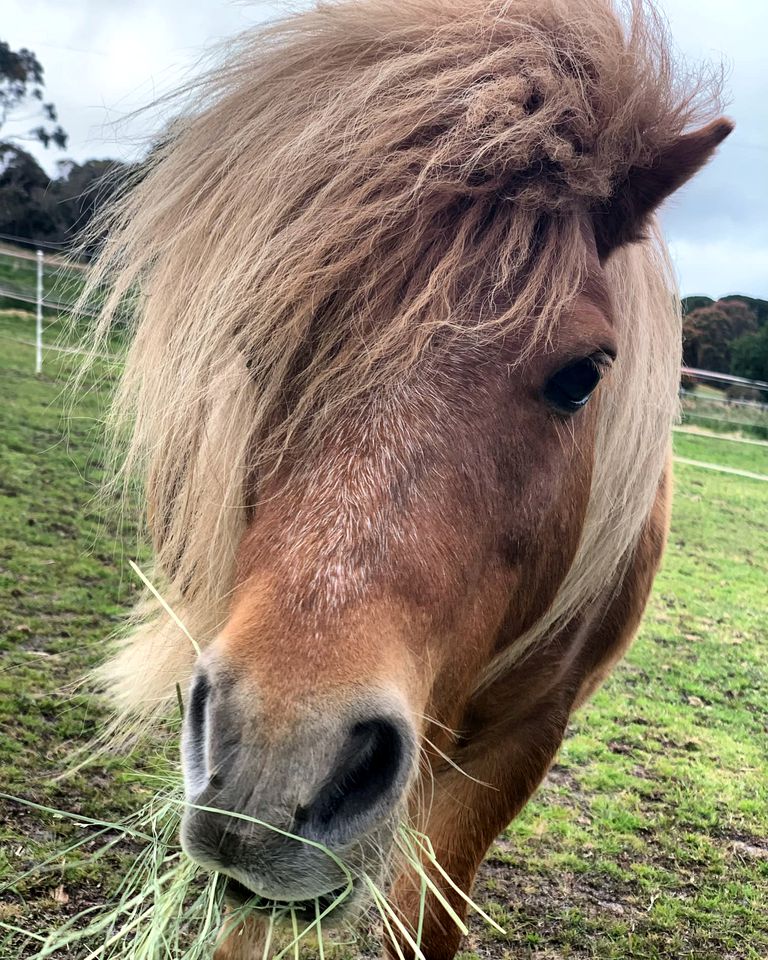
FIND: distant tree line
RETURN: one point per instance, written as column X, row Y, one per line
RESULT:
column 34, row 206
column 729, row 335
column 56, row 210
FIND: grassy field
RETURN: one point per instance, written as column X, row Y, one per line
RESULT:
column 649, row 837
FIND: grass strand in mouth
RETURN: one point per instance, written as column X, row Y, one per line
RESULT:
column 295, row 928
column 268, row 935
column 426, row 844
column 422, row 905
column 164, row 899
column 387, row 925
column 408, row 837
column 389, row 916
column 320, row 946
column 166, row 906
column 317, row 922
column 418, row 865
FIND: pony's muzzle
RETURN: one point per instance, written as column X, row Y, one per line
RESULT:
column 291, row 810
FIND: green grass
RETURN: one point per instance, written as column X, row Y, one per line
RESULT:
column 648, row 839
column 708, row 390
column 19, row 274
column 63, row 588
column 751, row 457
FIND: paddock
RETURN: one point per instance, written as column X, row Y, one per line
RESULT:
column 647, row 839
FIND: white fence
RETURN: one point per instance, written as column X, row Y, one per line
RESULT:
column 44, row 280
column 723, row 403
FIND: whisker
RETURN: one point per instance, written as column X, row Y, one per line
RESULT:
column 452, row 763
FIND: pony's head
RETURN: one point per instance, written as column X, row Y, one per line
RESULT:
column 405, row 364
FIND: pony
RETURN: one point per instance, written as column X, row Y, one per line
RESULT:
column 404, row 362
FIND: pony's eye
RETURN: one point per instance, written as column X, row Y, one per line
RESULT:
column 570, row 388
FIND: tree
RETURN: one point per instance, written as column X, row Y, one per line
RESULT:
column 708, row 333
column 693, row 303
column 38, row 208
column 749, row 355
column 23, row 186
column 21, row 81
column 79, row 192
column 758, row 307
column 741, row 318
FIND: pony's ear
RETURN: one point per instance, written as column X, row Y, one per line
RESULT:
column 622, row 218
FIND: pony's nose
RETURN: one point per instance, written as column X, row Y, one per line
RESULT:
column 330, row 778
column 366, row 771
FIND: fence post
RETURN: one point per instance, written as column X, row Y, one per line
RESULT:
column 39, row 316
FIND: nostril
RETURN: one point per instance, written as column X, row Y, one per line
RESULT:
column 195, row 730
column 369, row 767
column 201, row 691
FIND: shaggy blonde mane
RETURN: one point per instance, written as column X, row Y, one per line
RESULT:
column 355, row 190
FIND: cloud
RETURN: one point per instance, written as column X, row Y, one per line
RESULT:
column 719, row 267
column 718, row 224
column 105, row 59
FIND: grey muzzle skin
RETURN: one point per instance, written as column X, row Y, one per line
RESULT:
column 295, row 818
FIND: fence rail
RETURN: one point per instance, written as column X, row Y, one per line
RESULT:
column 38, row 279
column 59, row 259
column 727, row 378
column 59, row 306
column 708, row 398
column 724, row 403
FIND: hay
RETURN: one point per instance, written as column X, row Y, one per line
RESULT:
column 166, row 907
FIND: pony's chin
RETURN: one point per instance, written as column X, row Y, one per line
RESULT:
column 238, row 896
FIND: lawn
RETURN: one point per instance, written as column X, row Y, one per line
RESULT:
column 649, row 837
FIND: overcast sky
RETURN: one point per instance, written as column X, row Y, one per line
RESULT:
column 104, row 59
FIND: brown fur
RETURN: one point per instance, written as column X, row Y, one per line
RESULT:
column 512, row 732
